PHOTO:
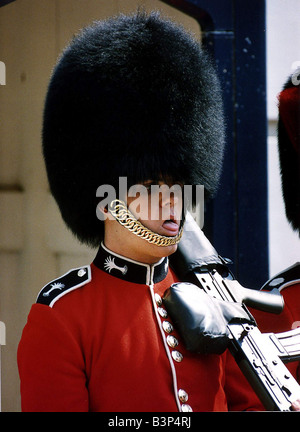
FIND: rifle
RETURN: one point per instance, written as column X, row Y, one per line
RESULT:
column 261, row 357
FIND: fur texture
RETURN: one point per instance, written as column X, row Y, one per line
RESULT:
column 131, row 96
column 289, row 153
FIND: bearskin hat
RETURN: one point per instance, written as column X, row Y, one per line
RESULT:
column 289, row 147
column 131, row 96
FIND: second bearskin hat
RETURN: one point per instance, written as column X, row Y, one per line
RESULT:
column 131, row 96
column 289, row 147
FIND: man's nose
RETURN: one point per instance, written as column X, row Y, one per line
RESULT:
column 170, row 197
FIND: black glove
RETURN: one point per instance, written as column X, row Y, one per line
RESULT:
column 202, row 320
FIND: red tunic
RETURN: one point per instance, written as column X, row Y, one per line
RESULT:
column 99, row 339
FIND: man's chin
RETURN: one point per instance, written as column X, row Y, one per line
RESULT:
column 164, row 251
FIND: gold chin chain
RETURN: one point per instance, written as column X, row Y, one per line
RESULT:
column 124, row 216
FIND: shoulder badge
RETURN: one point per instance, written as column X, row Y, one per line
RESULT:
column 57, row 288
column 287, row 277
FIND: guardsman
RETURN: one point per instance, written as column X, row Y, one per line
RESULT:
column 131, row 97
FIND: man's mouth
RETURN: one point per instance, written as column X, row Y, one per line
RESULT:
column 171, row 227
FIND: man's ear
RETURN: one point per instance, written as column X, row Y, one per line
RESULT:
column 102, row 212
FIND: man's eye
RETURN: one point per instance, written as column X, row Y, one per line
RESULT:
column 149, row 188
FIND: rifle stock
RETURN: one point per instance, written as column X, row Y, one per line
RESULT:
column 258, row 355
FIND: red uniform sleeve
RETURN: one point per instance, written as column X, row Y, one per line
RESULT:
column 287, row 320
column 239, row 393
column 291, row 295
column 51, row 365
column 238, row 390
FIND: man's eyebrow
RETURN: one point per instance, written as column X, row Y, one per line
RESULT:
column 151, row 182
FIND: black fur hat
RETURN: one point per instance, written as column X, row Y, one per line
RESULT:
column 289, row 148
column 131, row 96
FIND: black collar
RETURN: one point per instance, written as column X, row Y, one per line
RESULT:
column 130, row 270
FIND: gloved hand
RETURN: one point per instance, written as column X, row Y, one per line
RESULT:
column 202, row 320
column 296, row 405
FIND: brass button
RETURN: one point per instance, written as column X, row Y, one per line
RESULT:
column 81, row 272
column 186, row 408
column 162, row 312
column 172, row 341
column 183, row 396
column 158, row 299
column 167, row 326
column 177, row 356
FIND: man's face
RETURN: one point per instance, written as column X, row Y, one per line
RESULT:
column 158, row 206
